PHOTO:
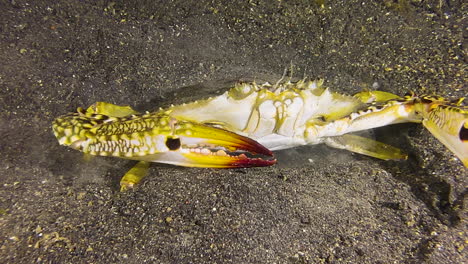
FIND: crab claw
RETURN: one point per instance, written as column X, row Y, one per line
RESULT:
column 158, row 137
column 200, row 145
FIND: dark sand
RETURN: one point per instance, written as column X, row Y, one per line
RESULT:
column 337, row 207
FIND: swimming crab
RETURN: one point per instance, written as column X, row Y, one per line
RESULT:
column 241, row 127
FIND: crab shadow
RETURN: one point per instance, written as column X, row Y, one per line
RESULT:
column 426, row 181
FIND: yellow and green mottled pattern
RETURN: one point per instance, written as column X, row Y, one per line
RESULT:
column 128, row 137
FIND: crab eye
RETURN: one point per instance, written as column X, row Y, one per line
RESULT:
column 173, row 143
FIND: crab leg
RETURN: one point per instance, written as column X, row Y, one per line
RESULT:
column 447, row 121
column 134, row 175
